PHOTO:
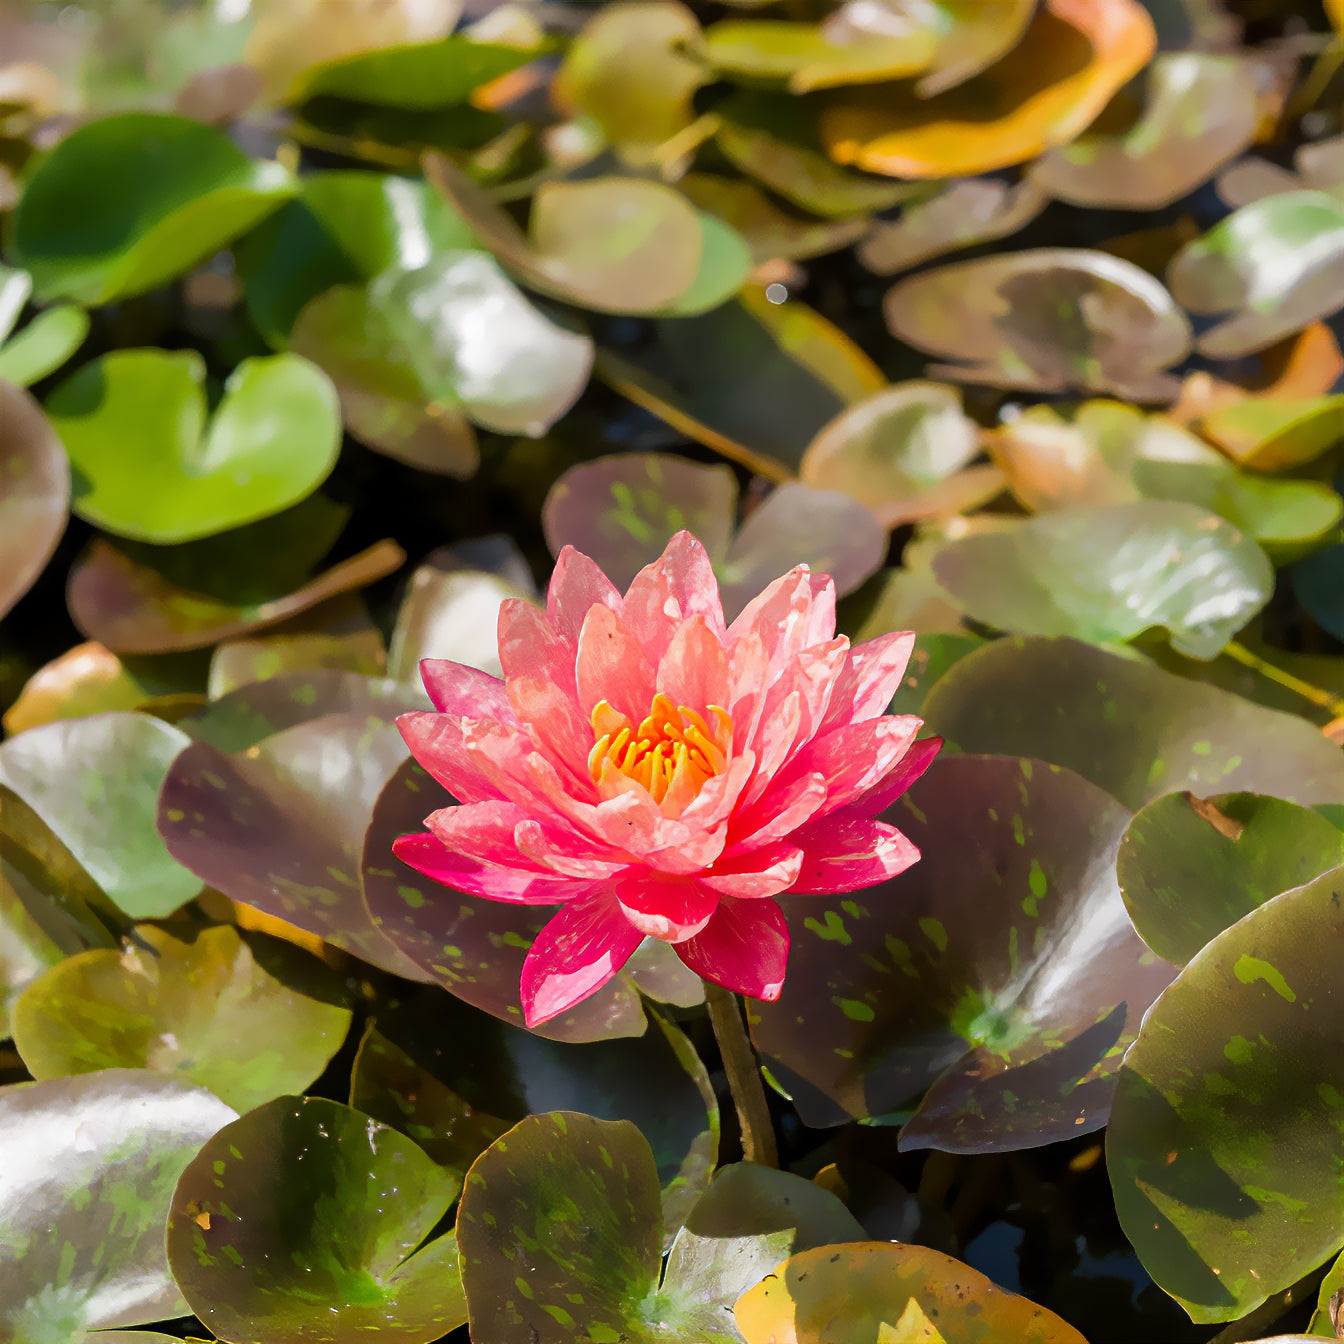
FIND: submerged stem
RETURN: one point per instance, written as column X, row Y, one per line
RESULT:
column 1241, row 654
column 744, row 1076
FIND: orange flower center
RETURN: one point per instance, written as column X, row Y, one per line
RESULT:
column 673, row 747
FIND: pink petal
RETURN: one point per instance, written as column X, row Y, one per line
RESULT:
column 577, row 952
column 427, row 855
column 913, row 764
column 794, row 612
column 564, row 851
column 694, row 670
column 481, row 831
column 666, row 907
column 781, row 809
column 576, row 585
column 612, row 666
column 438, row 742
column 744, row 947
column 872, row 677
column 678, row 585
column 854, row 758
column 846, row 853
column 464, row 692
column 760, row 872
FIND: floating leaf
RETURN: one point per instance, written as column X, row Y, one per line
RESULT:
column 614, row 244
column 1201, row 110
column 35, row 497
column 810, row 56
column 1049, row 319
column 474, row 948
column 44, row 344
column 972, row 35
column 632, row 70
column 1223, row 1148
column 1191, row 867
column 279, row 825
column 1134, row 730
column 966, row 214
column 876, row 1291
column 1073, row 56
column 89, row 1169
column 132, row 608
column 901, row 452
column 332, row 1251
column 561, row 1237
column 803, row 371
column 95, row 782
column 25, row 949
column 83, row 236
column 148, row 468
column 1318, row 582
column 1108, row 574
column 181, row 1010
column 967, row 979
column 1272, row 264
column 1273, row 433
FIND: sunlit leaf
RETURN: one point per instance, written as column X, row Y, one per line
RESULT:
column 1049, row 319
column 84, row 236
column 44, row 344
column 1136, row 731
column 1223, row 1148
column 84, row 1191
column 329, row 1253
column 134, row 424
column 34, row 501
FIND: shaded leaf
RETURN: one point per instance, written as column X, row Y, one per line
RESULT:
column 84, row 1191
column 1318, row 582
column 181, row 1010
column 1125, row 725
column 999, row 976
column 146, row 464
column 83, row 236
column 35, row 498
column 25, row 950
column 1223, row 1148
column 873, row 1292
column 331, row 1252
column 1110, row 573
column 95, row 782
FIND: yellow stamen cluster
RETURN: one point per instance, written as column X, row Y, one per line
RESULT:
column 672, row 745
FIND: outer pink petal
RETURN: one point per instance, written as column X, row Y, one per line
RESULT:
column 678, row 585
column 670, row 908
column 481, row 831
column 612, row 666
column 575, row 955
column 464, row 692
column 778, row 812
column 563, row 850
column 913, row 764
column 871, row 678
column 794, row 612
column 577, row 584
column 854, row 758
column 694, row 670
column 761, row 872
column 427, row 855
column 438, row 742
column 846, row 853
column 745, row 948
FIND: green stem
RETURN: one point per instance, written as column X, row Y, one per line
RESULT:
column 1241, row 654
column 744, row 1076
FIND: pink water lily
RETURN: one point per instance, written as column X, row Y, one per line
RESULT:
column 655, row 772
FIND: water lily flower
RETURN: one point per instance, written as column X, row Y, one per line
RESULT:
column 656, row 772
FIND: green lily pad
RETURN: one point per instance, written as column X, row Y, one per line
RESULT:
column 1318, row 582
column 966, row 978
column 1224, row 1143
column 84, row 235
column 931, row 658
column 89, row 1169
column 1331, row 1289
column 454, row 1080
column 147, row 467
column 329, row 1252
column 878, row 1291
column 561, row 1238
column 132, row 607
column 95, row 782
column 279, row 825
column 45, row 343
column 25, row 949
column 35, row 500
column 1191, row 867
column 1125, row 725
column 1108, row 574
column 180, row 1009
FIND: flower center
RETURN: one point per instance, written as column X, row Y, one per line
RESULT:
column 674, row 749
